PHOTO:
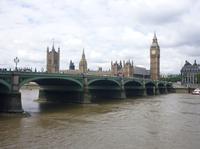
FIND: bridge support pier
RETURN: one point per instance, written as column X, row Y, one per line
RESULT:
column 154, row 91
column 11, row 102
column 166, row 91
column 144, row 89
column 144, row 92
column 123, row 91
column 123, row 94
column 170, row 90
column 41, row 96
column 86, row 96
column 157, row 92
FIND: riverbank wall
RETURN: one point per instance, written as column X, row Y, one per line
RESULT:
column 184, row 90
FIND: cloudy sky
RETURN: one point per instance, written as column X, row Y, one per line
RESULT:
column 106, row 29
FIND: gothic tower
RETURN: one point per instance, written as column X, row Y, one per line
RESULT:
column 128, row 69
column 53, row 60
column 116, row 68
column 155, row 59
column 71, row 65
column 83, row 64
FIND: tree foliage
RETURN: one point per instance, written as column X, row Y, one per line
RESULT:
column 198, row 78
column 171, row 78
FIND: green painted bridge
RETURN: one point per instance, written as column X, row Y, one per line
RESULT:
column 80, row 88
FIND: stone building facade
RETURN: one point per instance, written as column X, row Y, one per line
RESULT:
column 155, row 59
column 125, row 69
column 141, row 72
column 189, row 73
column 53, row 60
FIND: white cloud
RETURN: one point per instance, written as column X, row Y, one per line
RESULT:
column 108, row 30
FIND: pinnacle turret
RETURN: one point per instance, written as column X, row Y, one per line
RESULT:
column 53, row 60
column 155, row 41
column 83, row 63
column 154, row 38
column 53, row 48
column 83, row 54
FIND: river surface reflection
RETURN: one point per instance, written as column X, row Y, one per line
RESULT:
column 157, row 122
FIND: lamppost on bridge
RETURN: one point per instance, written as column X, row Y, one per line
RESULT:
column 16, row 60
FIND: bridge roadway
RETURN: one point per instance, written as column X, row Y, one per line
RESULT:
column 80, row 88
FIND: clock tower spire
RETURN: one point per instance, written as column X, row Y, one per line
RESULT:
column 155, row 59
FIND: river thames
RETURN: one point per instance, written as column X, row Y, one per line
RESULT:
column 170, row 121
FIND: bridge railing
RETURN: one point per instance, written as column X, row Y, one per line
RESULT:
column 78, row 75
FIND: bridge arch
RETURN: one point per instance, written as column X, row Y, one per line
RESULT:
column 57, row 89
column 104, row 80
column 39, row 81
column 150, row 87
column 133, row 88
column 4, row 86
column 134, row 81
column 103, row 89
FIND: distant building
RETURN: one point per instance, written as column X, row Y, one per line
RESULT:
column 99, row 73
column 53, row 60
column 116, row 68
column 141, row 72
column 155, row 59
column 100, row 69
column 83, row 64
column 128, row 70
column 71, row 65
column 189, row 73
column 83, row 68
column 121, row 68
column 125, row 69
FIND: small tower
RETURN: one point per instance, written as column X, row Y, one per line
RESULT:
column 195, row 63
column 155, row 59
column 128, row 69
column 119, row 69
column 71, row 65
column 53, row 60
column 83, row 64
column 114, row 68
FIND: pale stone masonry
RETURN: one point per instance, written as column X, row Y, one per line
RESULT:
column 125, row 69
column 189, row 73
column 155, row 59
column 83, row 64
column 53, row 60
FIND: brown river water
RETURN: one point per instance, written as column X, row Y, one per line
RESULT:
column 169, row 121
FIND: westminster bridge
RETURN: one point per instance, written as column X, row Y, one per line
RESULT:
column 79, row 88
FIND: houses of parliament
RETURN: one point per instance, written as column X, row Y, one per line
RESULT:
column 121, row 68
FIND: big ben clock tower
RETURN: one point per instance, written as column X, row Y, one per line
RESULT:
column 155, row 59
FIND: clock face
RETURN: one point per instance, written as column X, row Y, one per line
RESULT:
column 153, row 52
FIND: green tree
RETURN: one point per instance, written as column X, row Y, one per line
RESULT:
column 198, row 78
column 172, row 78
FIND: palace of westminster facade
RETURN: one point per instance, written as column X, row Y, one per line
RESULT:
column 121, row 68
